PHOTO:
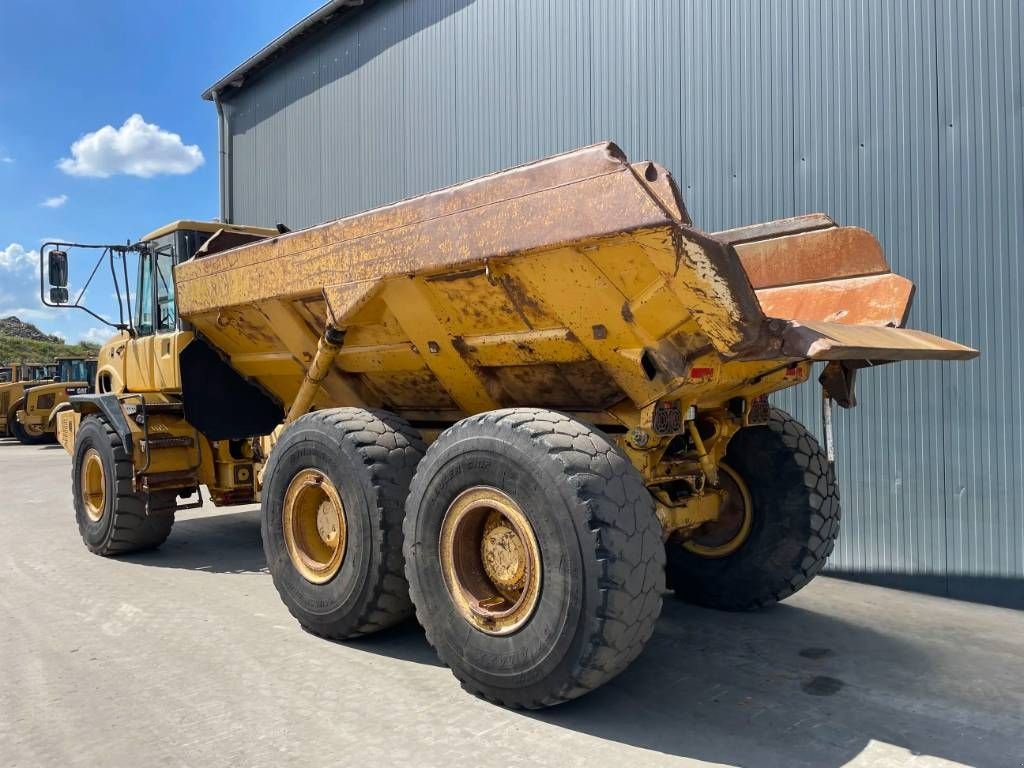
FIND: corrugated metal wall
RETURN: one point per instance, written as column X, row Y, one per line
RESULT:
column 901, row 116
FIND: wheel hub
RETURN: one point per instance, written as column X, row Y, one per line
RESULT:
column 313, row 522
column 503, row 554
column 727, row 533
column 327, row 524
column 490, row 560
column 93, row 485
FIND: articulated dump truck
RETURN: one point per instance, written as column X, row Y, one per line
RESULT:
column 516, row 407
column 33, row 421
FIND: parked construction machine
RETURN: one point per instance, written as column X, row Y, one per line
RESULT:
column 34, row 411
column 515, row 406
column 22, row 377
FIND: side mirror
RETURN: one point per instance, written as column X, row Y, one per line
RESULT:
column 58, row 295
column 58, row 272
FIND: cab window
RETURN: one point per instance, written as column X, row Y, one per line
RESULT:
column 74, row 370
column 166, row 314
column 144, row 296
column 157, row 311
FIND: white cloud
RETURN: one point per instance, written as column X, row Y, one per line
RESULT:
column 97, row 335
column 6, row 159
column 54, row 202
column 14, row 258
column 137, row 148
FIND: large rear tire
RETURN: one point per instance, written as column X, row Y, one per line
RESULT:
column 793, row 523
column 534, row 556
column 333, row 497
column 112, row 518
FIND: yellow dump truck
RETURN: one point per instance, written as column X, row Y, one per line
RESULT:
column 514, row 406
column 21, row 378
column 34, row 411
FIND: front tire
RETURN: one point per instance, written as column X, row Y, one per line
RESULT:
column 112, row 518
column 794, row 521
column 553, row 498
column 332, row 506
column 18, row 429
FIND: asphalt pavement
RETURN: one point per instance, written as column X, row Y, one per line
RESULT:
column 186, row 656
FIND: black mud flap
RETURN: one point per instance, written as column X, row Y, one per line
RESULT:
column 110, row 407
column 219, row 401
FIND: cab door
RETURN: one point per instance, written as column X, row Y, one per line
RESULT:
column 152, row 356
column 138, row 370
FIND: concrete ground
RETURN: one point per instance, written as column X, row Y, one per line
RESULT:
column 185, row 656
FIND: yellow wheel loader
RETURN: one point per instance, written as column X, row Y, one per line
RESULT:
column 12, row 392
column 34, row 412
column 515, row 406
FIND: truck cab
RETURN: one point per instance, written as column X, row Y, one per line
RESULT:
column 138, row 390
column 143, row 358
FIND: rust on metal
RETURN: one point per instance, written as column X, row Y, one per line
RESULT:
column 865, row 345
column 659, row 181
column 873, row 300
column 824, row 254
column 794, row 225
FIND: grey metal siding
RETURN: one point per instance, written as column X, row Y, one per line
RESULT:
column 901, row 116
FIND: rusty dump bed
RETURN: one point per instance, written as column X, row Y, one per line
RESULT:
column 577, row 282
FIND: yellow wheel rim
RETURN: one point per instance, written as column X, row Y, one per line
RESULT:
column 490, row 560
column 314, row 526
column 729, row 532
column 94, row 485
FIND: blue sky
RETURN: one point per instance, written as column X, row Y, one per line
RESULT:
column 68, row 70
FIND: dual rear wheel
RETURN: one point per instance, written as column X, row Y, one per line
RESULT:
column 531, row 553
column 525, row 541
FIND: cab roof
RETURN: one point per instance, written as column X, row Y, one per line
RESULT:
column 206, row 226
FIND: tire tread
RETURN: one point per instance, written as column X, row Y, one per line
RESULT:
column 132, row 529
column 390, row 448
column 626, row 543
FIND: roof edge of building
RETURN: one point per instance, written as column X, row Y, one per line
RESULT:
column 322, row 15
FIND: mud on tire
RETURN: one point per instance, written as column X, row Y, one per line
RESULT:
column 124, row 525
column 794, row 527
column 369, row 457
column 602, row 558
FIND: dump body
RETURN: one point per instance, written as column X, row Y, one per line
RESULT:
column 576, row 283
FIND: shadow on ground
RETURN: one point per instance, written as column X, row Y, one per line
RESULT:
column 11, row 442
column 785, row 687
column 790, row 686
column 224, row 543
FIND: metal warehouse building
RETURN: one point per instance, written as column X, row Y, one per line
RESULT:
column 901, row 116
